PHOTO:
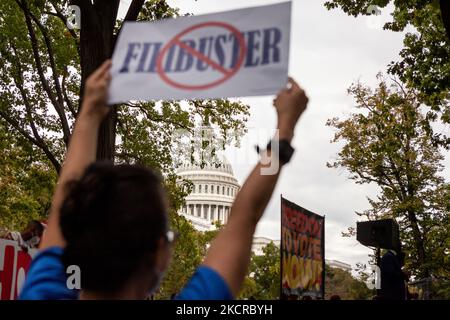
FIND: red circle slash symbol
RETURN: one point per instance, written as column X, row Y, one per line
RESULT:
column 176, row 41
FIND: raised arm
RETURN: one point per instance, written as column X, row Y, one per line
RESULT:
column 82, row 147
column 229, row 254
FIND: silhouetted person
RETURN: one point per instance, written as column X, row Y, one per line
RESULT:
column 393, row 279
column 28, row 238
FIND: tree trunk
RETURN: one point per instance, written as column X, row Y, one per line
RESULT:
column 97, row 45
column 445, row 11
column 419, row 244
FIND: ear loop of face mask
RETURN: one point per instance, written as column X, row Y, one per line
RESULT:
column 33, row 241
column 159, row 275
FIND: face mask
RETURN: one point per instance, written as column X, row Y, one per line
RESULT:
column 33, row 242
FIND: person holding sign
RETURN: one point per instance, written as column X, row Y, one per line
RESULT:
column 111, row 222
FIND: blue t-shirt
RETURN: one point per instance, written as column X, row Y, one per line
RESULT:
column 47, row 280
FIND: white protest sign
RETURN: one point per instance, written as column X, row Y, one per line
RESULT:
column 230, row 54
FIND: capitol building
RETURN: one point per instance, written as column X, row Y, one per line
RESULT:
column 215, row 188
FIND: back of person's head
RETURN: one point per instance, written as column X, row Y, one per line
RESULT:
column 113, row 219
column 36, row 227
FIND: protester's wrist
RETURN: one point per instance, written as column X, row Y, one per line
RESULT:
column 89, row 118
column 285, row 133
column 283, row 149
column 87, row 113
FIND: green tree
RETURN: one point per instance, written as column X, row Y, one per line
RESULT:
column 249, row 289
column 188, row 254
column 389, row 142
column 191, row 246
column 42, row 75
column 425, row 58
column 45, row 67
column 342, row 283
column 26, row 182
column 263, row 280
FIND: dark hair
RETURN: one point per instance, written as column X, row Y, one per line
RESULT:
column 36, row 225
column 112, row 219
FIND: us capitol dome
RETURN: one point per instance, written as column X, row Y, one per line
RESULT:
column 215, row 188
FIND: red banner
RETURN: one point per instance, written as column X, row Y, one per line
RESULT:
column 14, row 264
column 302, row 251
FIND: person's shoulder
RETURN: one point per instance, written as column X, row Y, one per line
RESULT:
column 206, row 284
column 46, row 278
column 48, row 257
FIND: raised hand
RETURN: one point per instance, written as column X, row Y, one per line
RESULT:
column 96, row 92
column 290, row 105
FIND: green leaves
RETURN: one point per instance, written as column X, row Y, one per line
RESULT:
column 40, row 83
column 342, row 283
column 26, row 182
column 40, row 78
column 263, row 280
column 425, row 64
column 390, row 142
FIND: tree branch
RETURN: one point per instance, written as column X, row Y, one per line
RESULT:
column 132, row 14
column 134, row 10
column 63, row 18
column 37, row 143
column 445, row 11
column 89, row 16
column 34, row 44
column 66, row 97
column 156, row 119
column 54, row 74
column 127, row 157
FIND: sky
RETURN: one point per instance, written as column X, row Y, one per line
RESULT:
column 329, row 51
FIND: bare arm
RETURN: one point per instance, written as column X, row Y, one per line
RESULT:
column 230, row 252
column 82, row 148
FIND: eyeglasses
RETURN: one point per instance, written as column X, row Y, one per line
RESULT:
column 172, row 236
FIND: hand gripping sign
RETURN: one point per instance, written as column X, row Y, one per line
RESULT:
column 231, row 54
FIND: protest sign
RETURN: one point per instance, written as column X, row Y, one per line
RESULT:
column 302, row 252
column 230, row 54
column 14, row 265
